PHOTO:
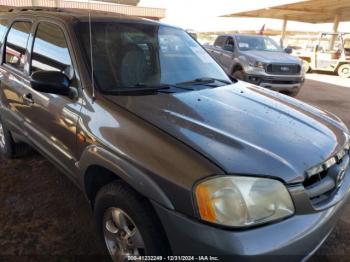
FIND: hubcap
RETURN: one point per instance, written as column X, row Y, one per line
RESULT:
column 346, row 71
column 2, row 136
column 121, row 235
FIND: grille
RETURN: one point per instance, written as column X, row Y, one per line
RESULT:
column 323, row 180
column 283, row 69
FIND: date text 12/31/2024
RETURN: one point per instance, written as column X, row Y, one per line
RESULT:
column 173, row 258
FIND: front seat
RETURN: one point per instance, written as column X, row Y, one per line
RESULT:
column 133, row 66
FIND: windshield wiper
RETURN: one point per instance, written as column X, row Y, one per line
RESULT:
column 138, row 89
column 203, row 81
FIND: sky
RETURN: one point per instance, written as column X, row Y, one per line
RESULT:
column 202, row 15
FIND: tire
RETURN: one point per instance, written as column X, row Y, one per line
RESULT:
column 119, row 200
column 239, row 75
column 307, row 67
column 344, row 71
column 8, row 146
column 293, row 93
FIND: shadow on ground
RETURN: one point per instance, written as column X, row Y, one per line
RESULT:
column 43, row 215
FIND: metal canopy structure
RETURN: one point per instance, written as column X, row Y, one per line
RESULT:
column 310, row 11
column 128, row 7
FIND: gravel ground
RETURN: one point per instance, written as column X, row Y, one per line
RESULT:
column 45, row 217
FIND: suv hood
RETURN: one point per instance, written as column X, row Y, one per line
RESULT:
column 272, row 57
column 244, row 129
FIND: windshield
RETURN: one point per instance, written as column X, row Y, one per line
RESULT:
column 131, row 55
column 257, row 43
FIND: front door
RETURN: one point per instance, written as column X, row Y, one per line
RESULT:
column 52, row 119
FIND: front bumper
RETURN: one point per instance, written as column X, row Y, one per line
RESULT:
column 292, row 239
column 276, row 82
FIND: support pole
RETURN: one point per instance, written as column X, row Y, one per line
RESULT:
column 335, row 30
column 284, row 29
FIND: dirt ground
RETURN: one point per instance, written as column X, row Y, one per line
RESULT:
column 45, row 217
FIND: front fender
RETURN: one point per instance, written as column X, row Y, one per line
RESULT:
column 133, row 176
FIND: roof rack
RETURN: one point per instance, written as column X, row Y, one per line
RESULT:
column 51, row 9
column 38, row 8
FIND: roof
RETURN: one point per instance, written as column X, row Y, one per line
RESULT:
column 310, row 11
column 81, row 15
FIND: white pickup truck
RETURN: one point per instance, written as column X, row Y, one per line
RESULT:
column 259, row 60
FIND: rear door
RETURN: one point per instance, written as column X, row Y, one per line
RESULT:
column 13, row 75
column 52, row 119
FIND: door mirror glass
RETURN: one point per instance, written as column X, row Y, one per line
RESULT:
column 288, row 50
column 228, row 48
column 51, row 82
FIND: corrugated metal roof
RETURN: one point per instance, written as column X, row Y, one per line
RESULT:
column 311, row 11
column 155, row 13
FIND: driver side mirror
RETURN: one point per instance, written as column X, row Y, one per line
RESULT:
column 51, row 82
column 288, row 50
column 228, row 48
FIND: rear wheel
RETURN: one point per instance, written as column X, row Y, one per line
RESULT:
column 8, row 146
column 127, row 223
column 344, row 71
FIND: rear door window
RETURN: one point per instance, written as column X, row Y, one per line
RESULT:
column 50, row 50
column 16, row 44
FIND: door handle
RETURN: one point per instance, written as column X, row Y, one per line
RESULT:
column 28, row 98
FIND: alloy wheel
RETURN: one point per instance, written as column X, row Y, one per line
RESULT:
column 2, row 136
column 121, row 235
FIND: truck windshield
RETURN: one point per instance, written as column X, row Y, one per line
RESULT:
column 139, row 55
column 257, row 43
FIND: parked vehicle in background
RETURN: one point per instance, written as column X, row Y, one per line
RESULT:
column 331, row 54
column 258, row 60
column 192, row 33
column 174, row 157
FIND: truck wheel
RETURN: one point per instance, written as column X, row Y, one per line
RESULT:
column 127, row 223
column 307, row 67
column 344, row 71
column 238, row 75
column 8, row 146
column 293, row 93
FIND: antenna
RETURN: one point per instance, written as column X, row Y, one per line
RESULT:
column 91, row 56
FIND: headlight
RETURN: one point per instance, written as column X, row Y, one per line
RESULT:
column 257, row 64
column 242, row 201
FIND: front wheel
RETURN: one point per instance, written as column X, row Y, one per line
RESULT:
column 344, row 71
column 239, row 75
column 306, row 66
column 127, row 223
